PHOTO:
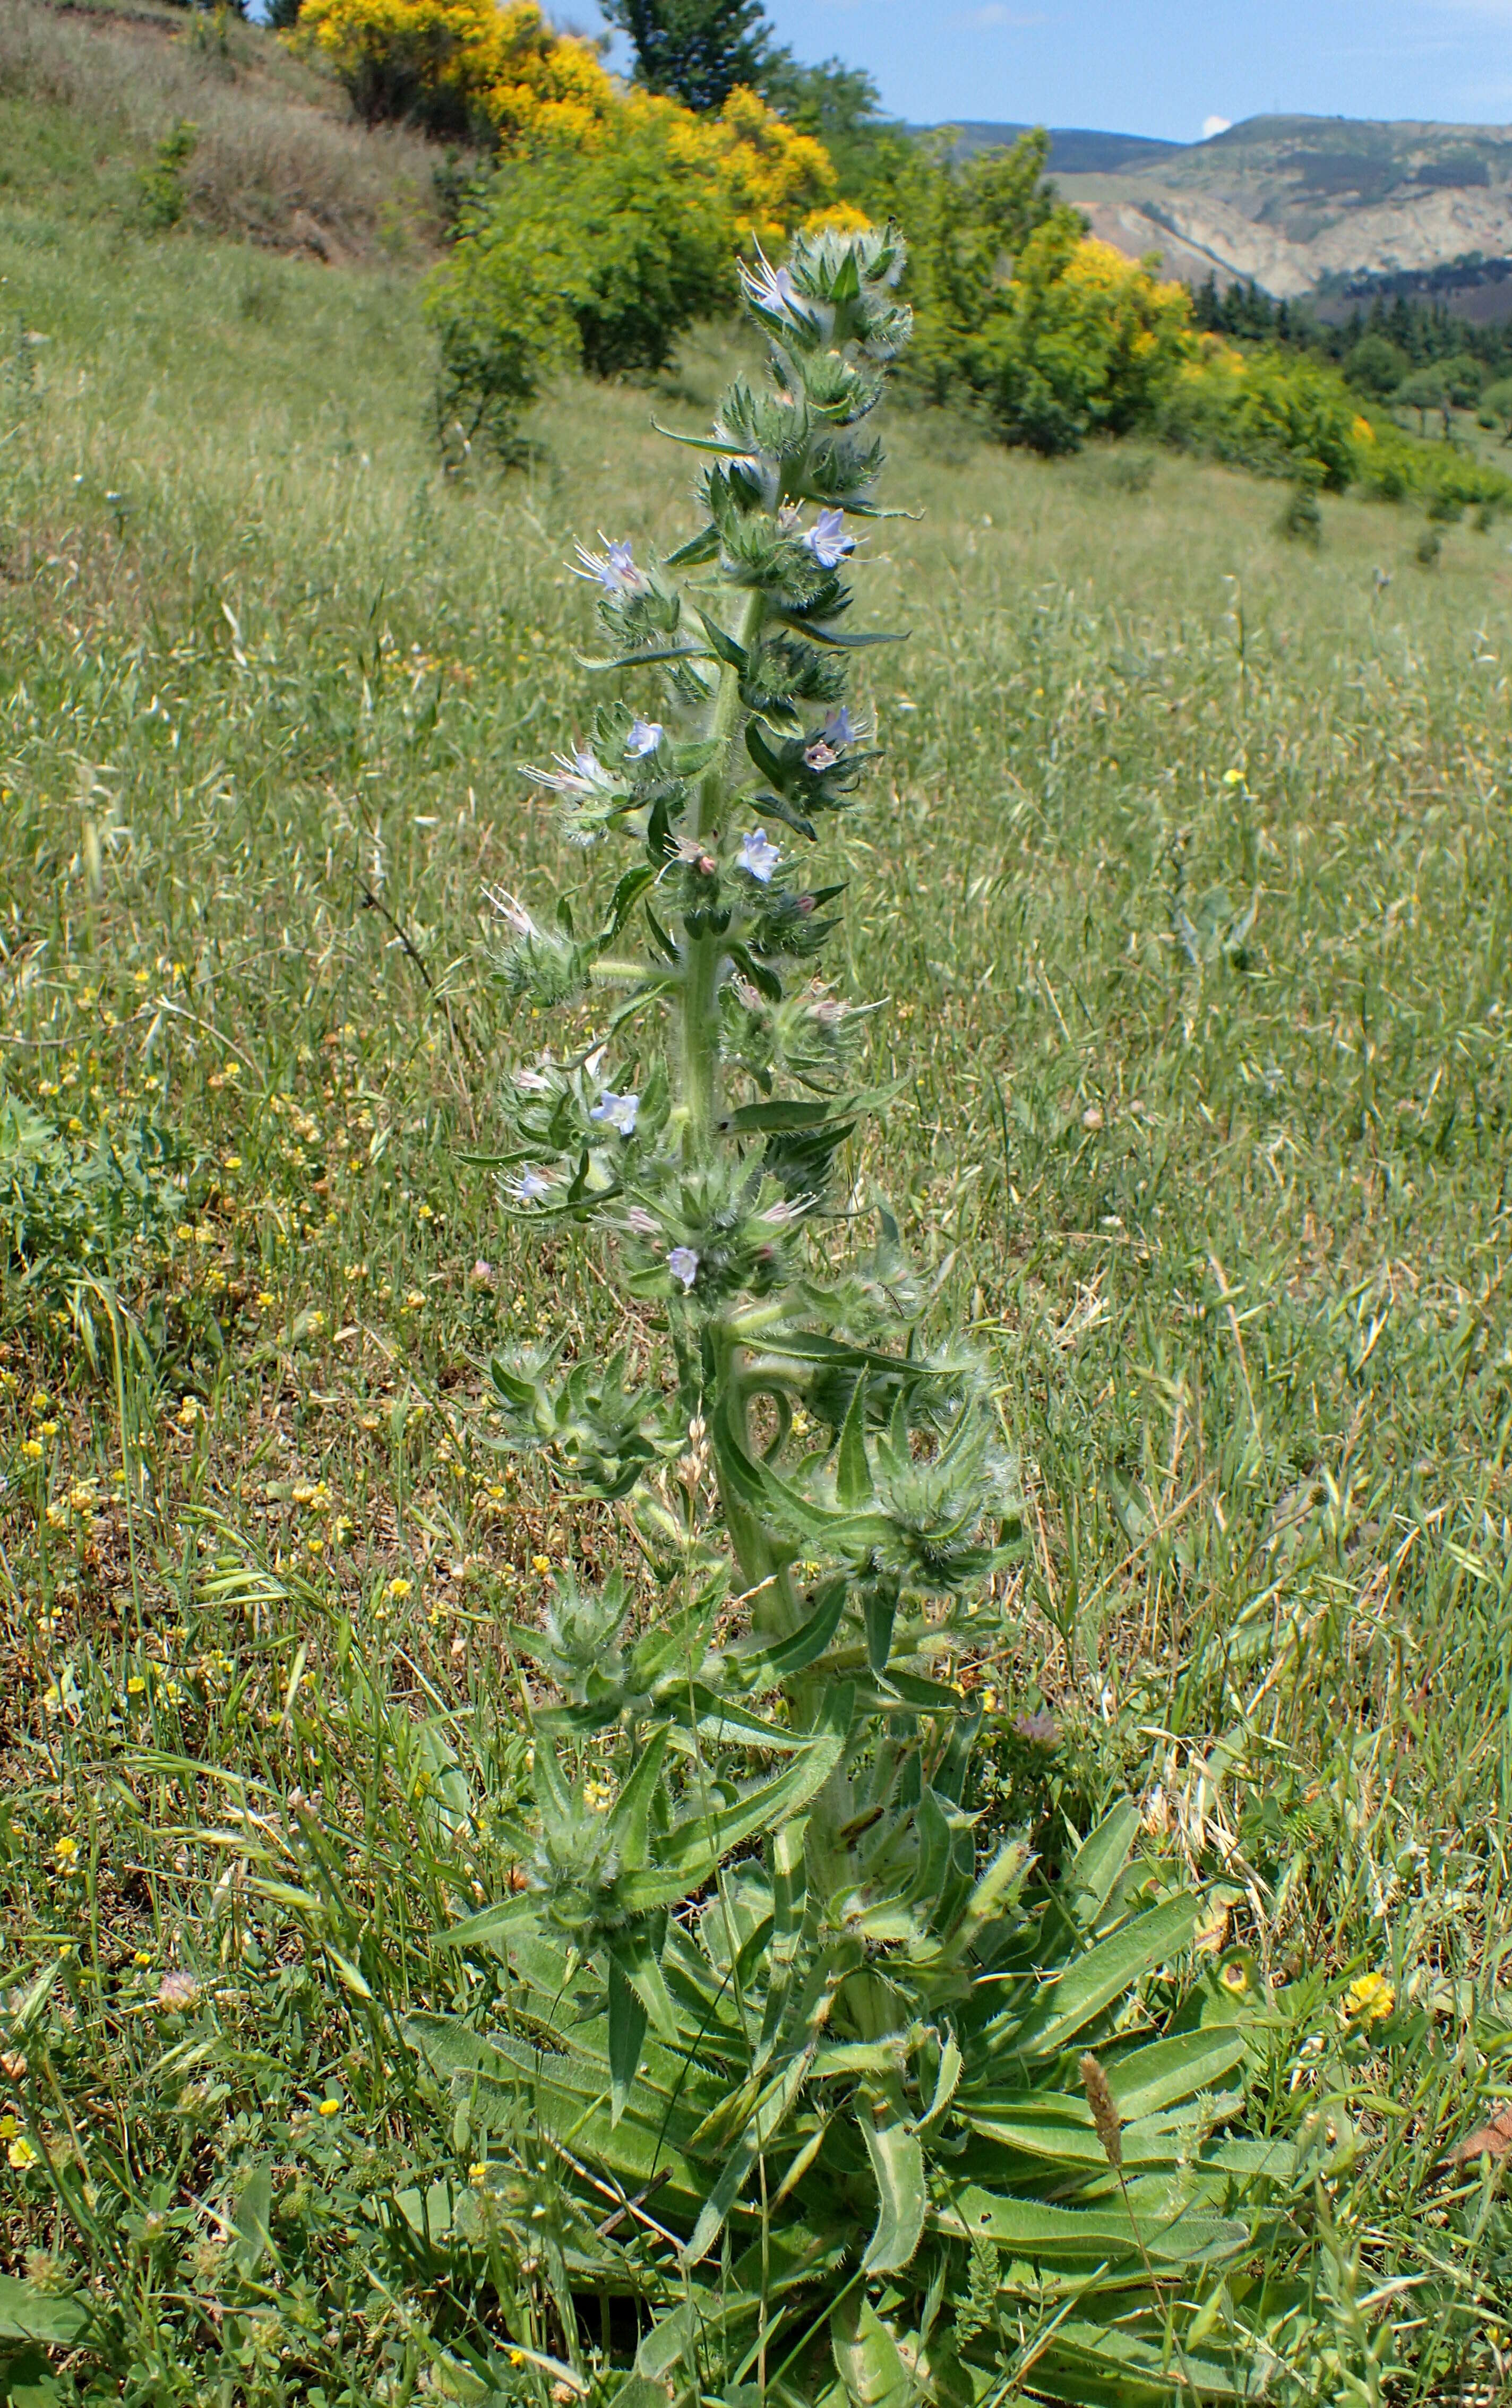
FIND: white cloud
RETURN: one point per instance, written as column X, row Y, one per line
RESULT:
column 995, row 13
column 1212, row 125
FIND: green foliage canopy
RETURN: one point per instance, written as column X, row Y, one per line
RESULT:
column 697, row 51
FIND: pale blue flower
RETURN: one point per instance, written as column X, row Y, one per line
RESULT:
column 618, row 1113
column 757, row 857
column 643, row 738
column 579, row 772
column 771, row 288
column 827, row 540
column 531, row 1187
column 683, row 1264
column 840, row 729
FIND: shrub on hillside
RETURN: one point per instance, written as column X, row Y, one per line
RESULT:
column 1375, row 367
column 603, row 258
column 1087, row 342
column 463, row 69
column 1272, row 411
column 467, row 70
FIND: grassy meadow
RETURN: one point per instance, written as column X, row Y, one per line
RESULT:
column 1187, row 887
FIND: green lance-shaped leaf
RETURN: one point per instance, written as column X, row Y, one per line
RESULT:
column 871, row 2367
column 897, row 2155
column 1105, row 1973
column 686, row 1858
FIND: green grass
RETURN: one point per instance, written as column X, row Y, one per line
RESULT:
column 1186, row 878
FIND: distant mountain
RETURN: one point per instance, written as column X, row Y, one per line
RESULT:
column 1075, row 149
column 1329, row 205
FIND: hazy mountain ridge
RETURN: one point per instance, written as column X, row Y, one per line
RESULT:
column 1300, row 204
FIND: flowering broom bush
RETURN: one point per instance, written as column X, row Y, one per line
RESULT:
column 841, row 2101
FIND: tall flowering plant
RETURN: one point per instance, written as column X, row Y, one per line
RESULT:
column 758, row 1985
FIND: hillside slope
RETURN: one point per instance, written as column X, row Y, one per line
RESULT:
column 87, row 95
column 1300, row 203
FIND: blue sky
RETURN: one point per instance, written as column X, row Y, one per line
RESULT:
column 1163, row 67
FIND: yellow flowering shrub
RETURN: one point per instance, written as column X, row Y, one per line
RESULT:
column 771, row 177
column 464, row 67
column 472, row 68
column 1085, row 338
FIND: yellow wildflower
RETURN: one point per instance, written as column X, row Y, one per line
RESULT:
column 1369, row 2001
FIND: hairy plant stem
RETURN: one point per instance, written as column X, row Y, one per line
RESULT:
column 765, row 1561
column 699, row 1015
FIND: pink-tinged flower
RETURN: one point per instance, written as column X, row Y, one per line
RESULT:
column 643, row 738
column 535, row 1082
column 483, row 1273
column 580, row 772
column 693, row 854
column 644, row 1223
column 619, row 1113
column 827, row 540
column 512, row 912
column 175, row 1991
column 1039, row 1729
column 613, row 568
column 757, row 857
column 683, row 1262
column 819, row 756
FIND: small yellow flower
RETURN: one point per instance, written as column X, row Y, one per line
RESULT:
column 478, row 2172
column 316, row 1545
column 1369, row 2001
column 232, row 1162
column 31, row 1449
column 516, row 2356
column 329, row 2107
column 40, row 1401
column 400, row 1587
column 136, row 1685
column 540, row 1564
column 142, row 1958
column 67, row 1850
column 265, row 1299
column 47, row 1429
column 184, row 1232
column 21, row 2154
column 423, row 1213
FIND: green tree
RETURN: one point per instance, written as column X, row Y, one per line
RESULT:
column 603, row 258
column 1423, row 391
column 698, row 51
column 1464, row 375
column 1496, row 406
column 1375, row 367
column 842, row 107
column 969, row 223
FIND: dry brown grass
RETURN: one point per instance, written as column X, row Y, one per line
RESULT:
column 278, row 158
